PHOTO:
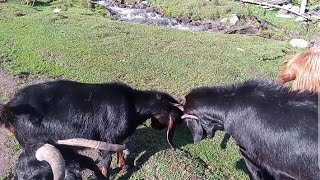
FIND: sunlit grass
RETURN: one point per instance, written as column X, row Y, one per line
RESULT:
column 82, row 45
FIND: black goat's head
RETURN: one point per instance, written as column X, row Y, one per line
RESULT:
column 202, row 121
column 163, row 109
column 201, row 128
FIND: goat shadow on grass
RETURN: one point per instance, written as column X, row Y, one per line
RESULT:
column 241, row 165
column 146, row 142
column 225, row 141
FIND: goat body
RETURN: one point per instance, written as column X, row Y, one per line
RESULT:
column 47, row 112
column 275, row 129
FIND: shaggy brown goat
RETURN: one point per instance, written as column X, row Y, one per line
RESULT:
column 304, row 70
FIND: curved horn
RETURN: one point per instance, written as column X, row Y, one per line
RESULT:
column 53, row 156
column 189, row 116
column 180, row 106
column 170, row 131
column 182, row 100
column 92, row 144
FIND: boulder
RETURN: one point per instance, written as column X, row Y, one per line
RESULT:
column 301, row 43
column 295, row 9
column 233, row 20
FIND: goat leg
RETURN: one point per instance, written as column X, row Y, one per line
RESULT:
column 106, row 162
column 89, row 163
column 122, row 161
column 255, row 172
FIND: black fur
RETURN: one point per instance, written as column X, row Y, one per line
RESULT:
column 107, row 112
column 275, row 129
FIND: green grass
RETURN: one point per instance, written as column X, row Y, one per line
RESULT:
column 83, row 45
column 14, row 145
column 218, row 9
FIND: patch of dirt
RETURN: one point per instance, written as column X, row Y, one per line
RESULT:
column 11, row 84
column 8, row 86
column 8, row 157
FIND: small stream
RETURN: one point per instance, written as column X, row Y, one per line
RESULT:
column 144, row 13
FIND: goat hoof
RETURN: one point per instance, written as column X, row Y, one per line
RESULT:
column 104, row 171
column 125, row 168
column 113, row 166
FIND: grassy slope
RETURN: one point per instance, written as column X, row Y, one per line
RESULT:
column 218, row 9
column 82, row 45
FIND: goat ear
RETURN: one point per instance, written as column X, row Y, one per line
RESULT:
column 286, row 76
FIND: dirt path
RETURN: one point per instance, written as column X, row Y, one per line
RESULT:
column 8, row 85
column 8, row 153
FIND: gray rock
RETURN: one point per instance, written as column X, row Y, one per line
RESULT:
column 224, row 20
column 314, row 42
column 186, row 20
column 295, row 9
column 314, row 14
column 149, row 9
column 301, row 43
column 287, row 6
column 57, row 10
column 282, row 11
column 284, row 15
column 173, row 22
column 277, row 2
column 145, row 3
column 233, row 20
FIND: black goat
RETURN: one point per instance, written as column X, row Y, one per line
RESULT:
column 29, row 167
column 275, row 129
column 42, row 114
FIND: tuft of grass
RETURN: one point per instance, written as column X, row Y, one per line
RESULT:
column 14, row 145
column 9, row 174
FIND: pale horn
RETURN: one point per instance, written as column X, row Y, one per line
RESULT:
column 53, row 156
column 79, row 142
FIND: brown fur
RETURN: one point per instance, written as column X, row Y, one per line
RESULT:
column 304, row 70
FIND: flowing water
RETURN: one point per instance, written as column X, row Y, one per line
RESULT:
column 143, row 13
